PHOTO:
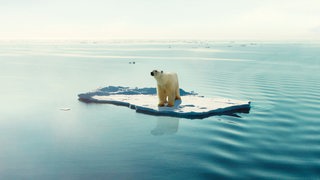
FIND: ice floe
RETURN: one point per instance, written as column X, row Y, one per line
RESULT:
column 145, row 100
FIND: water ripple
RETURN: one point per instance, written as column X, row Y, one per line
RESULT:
column 278, row 139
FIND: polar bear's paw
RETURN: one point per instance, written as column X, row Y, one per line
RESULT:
column 161, row 104
column 170, row 104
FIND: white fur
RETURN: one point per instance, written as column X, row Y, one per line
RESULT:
column 167, row 87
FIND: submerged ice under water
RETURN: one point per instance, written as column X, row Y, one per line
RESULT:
column 278, row 139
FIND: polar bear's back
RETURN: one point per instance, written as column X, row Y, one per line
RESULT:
column 169, row 77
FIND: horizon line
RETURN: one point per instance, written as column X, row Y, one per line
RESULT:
column 153, row 38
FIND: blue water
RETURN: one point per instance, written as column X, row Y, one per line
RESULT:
column 278, row 139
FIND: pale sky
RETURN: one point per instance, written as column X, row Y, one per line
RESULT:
column 161, row 19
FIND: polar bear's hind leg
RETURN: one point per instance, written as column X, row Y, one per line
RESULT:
column 171, row 99
column 178, row 94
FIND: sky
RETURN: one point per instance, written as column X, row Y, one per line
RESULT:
column 160, row 19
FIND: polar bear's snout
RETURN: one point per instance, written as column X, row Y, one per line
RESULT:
column 156, row 73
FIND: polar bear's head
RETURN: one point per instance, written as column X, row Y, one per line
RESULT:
column 156, row 73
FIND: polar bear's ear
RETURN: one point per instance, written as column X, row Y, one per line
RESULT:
column 161, row 72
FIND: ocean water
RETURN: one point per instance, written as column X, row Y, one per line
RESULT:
column 39, row 139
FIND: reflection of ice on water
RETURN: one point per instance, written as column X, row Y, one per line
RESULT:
column 166, row 126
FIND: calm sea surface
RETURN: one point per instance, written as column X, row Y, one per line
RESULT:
column 279, row 138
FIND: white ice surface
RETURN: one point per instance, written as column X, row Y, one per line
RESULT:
column 191, row 106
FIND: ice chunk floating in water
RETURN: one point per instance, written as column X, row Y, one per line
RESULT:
column 145, row 100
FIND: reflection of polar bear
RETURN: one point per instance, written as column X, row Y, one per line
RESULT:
column 168, row 86
column 166, row 126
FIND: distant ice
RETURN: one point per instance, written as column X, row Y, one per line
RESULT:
column 145, row 100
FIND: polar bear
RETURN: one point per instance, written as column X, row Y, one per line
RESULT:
column 167, row 86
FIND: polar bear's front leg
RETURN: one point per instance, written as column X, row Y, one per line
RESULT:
column 162, row 96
